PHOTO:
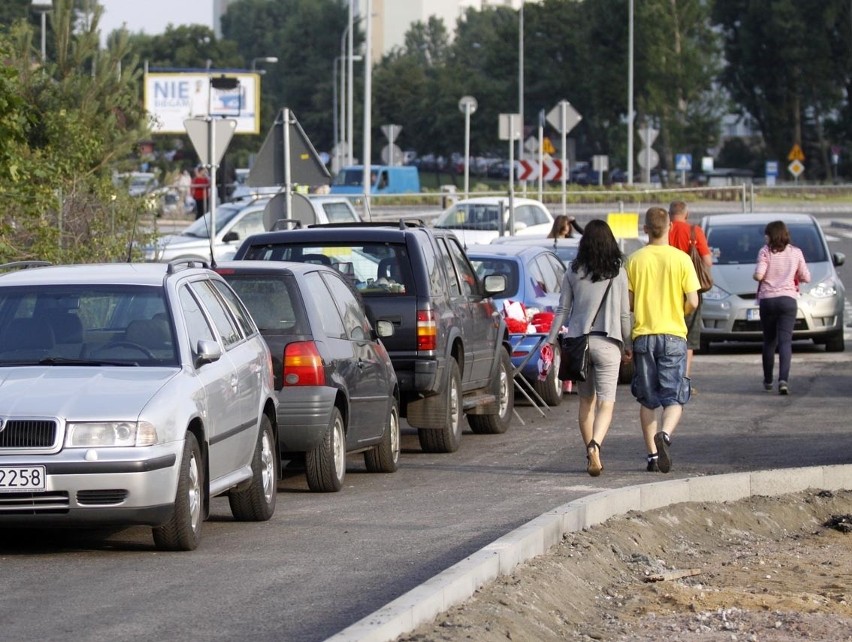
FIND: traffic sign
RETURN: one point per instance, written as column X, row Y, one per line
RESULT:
column 467, row 104
column 529, row 170
column 772, row 168
column 210, row 137
column 683, row 162
column 391, row 131
column 648, row 158
column 796, row 153
column 648, row 135
column 564, row 117
column 509, row 126
column 796, row 168
column 392, row 155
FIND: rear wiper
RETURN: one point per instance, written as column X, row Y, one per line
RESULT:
column 65, row 361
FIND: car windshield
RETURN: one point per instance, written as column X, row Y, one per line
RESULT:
column 738, row 244
column 503, row 267
column 374, row 268
column 270, row 300
column 224, row 215
column 85, row 325
column 469, row 216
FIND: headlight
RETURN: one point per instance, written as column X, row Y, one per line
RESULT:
column 715, row 294
column 824, row 290
column 110, row 434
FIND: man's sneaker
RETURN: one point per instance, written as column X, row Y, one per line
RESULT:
column 783, row 388
column 767, row 386
column 664, row 460
column 652, row 464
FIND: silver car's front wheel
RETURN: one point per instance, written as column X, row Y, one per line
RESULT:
column 183, row 531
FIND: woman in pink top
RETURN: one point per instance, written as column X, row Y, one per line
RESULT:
column 780, row 269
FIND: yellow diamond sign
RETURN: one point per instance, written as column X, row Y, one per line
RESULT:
column 796, row 168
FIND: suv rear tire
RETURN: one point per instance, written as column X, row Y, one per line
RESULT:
column 448, row 438
column 503, row 388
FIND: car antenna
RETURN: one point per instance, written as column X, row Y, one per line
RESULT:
column 132, row 235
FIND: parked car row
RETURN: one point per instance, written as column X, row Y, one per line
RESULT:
column 135, row 393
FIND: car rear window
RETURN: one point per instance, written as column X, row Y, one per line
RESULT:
column 375, row 269
column 272, row 301
column 739, row 244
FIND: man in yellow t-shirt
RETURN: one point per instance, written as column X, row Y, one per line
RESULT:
column 663, row 287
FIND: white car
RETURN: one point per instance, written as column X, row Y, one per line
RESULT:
column 480, row 220
column 237, row 220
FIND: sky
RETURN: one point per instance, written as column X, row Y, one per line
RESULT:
column 153, row 16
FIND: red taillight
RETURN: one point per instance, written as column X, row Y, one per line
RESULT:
column 427, row 330
column 303, row 365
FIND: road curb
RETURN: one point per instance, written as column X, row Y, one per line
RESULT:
column 460, row 581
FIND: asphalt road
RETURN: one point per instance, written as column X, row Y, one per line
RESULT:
column 326, row 560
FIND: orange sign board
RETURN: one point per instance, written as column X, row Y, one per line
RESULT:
column 796, row 153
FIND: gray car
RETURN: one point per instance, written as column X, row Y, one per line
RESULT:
column 730, row 311
column 132, row 394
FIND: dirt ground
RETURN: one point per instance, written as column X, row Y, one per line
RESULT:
column 760, row 569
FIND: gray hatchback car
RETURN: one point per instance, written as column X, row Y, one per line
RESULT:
column 132, row 394
column 729, row 309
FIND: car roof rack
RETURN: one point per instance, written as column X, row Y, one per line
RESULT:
column 401, row 224
column 187, row 263
column 23, row 265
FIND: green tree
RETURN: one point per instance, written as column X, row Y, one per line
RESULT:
column 65, row 126
column 788, row 67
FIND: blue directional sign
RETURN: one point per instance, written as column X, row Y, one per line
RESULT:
column 772, row 168
column 683, row 162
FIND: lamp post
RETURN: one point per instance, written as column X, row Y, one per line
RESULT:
column 521, row 82
column 269, row 59
column 630, row 95
column 43, row 8
column 339, row 125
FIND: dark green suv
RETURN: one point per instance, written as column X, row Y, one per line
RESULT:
column 449, row 346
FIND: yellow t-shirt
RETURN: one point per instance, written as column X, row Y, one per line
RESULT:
column 659, row 277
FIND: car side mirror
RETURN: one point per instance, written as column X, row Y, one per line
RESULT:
column 231, row 236
column 207, row 352
column 838, row 258
column 384, row 328
column 495, row 284
column 520, row 226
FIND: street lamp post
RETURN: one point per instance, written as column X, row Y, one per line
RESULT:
column 340, row 124
column 43, row 8
column 269, row 59
column 630, row 95
column 521, row 82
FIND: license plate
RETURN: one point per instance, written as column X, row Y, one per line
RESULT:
column 14, row 479
column 753, row 314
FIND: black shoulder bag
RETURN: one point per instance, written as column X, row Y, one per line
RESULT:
column 574, row 351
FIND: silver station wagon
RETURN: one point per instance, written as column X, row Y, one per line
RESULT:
column 132, row 394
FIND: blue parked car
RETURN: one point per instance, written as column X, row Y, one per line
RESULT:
column 533, row 277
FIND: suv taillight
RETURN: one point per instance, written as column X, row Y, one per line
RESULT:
column 303, row 365
column 427, row 330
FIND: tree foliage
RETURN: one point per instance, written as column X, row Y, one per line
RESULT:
column 66, row 124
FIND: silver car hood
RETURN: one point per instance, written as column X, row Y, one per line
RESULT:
column 78, row 392
column 737, row 279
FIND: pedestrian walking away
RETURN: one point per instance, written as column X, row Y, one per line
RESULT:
column 663, row 289
column 595, row 301
column 683, row 235
column 780, row 268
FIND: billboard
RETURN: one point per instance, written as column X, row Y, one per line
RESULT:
column 171, row 98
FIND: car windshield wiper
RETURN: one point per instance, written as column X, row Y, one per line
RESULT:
column 65, row 361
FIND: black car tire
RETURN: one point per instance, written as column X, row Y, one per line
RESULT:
column 325, row 465
column 384, row 457
column 183, row 530
column 835, row 343
column 448, row 438
column 256, row 502
column 551, row 388
column 504, row 388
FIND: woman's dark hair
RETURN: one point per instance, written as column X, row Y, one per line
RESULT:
column 598, row 254
column 778, row 235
